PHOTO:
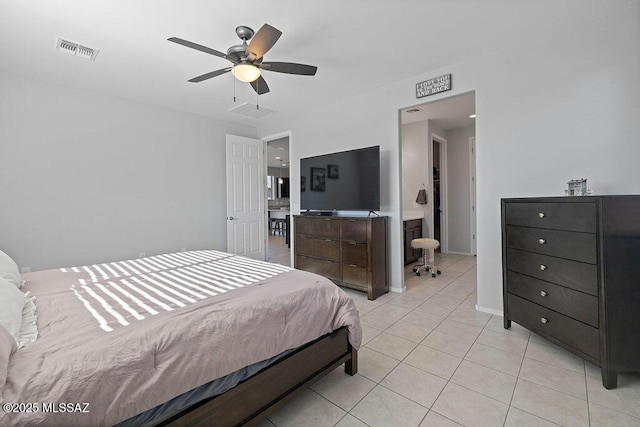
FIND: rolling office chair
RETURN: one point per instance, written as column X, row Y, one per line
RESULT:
column 428, row 246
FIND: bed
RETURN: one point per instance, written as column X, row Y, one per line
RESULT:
column 126, row 339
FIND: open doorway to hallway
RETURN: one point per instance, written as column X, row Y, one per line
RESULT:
column 278, row 197
column 436, row 157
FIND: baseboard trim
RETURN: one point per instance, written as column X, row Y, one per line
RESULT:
column 398, row 290
column 459, row 253
column 490, row 311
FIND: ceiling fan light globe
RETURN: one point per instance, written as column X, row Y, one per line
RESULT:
column 246, row 72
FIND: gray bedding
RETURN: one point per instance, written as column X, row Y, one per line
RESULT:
column 126, row 337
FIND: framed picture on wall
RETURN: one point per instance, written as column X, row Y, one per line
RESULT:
column 333, row 171
column 318, row 179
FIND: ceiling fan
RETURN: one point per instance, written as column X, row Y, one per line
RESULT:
column 247, row 59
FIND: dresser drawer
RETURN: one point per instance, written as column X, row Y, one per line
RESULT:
column 576, row 334
column 322, row 267
column 577, row 305
column 571, row 274
column 563, row 244
column 318, row 227
column 558, row 216
column 354, row 253
column 318, row 248
column 354, row 276
column 354, row 230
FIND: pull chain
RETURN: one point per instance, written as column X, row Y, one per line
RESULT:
column 234, row 90
column 257, row 96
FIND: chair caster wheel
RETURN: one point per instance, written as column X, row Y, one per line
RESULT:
column 439, row 272
column 433, row 274
column 417, row 273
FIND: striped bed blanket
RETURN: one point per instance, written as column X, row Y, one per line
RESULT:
column 116, row 292
column 126, row 336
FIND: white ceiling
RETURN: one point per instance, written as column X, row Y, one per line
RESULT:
column 357, row 45
column 278, row 148
column 448, row 113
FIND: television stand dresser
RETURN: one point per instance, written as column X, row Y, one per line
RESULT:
column 350, row 251
column 571, row 273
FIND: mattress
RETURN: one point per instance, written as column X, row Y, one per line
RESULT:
column 118, row 339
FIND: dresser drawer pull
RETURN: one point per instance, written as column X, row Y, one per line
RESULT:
column 542, row 241
column 543, row 294
column 544, row 320
column 352, row 265
column 543, row 267
column 328, row 240
column 541, row 215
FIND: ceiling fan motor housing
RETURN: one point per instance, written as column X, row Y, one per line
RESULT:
column 238, row 51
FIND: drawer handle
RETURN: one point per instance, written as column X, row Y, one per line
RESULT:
column 543, row 294
column 328, row 240
column 352, row 265
column 541, row 215
column 542, row 241
column 544, row 320
column 543, row 267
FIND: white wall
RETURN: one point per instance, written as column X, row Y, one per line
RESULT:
column 458, row 189
column 581, row 83
column 415, row 156
column 87, row 178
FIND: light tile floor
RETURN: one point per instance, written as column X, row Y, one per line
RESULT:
column 430, row 359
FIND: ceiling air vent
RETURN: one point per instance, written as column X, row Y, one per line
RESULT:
column 76, row 49
column 413, row 110
column 251, row 110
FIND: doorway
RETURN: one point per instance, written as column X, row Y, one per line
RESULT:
column 438, row 182
column 277, row 189
column 435, row 155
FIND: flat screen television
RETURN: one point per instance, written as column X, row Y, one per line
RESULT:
column 346, row 181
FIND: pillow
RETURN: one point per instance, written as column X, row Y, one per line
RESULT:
column 7, row 347
column 11, row 305
column 9, row 270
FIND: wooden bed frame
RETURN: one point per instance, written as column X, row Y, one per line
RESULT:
column 268, row 390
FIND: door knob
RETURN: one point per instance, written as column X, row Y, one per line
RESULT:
column 231, row 218
column 543, row 267
column 544, row 319
column 542, row 241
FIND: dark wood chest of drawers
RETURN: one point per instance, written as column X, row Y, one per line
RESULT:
column 351, row 251
column 571, row 273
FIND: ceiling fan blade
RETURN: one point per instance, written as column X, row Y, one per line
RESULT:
column 290, row 68
column 264, row 40
column 201, row 48
column 210, row 75
column 260, row 86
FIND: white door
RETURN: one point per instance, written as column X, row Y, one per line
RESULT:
column 246, row 195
